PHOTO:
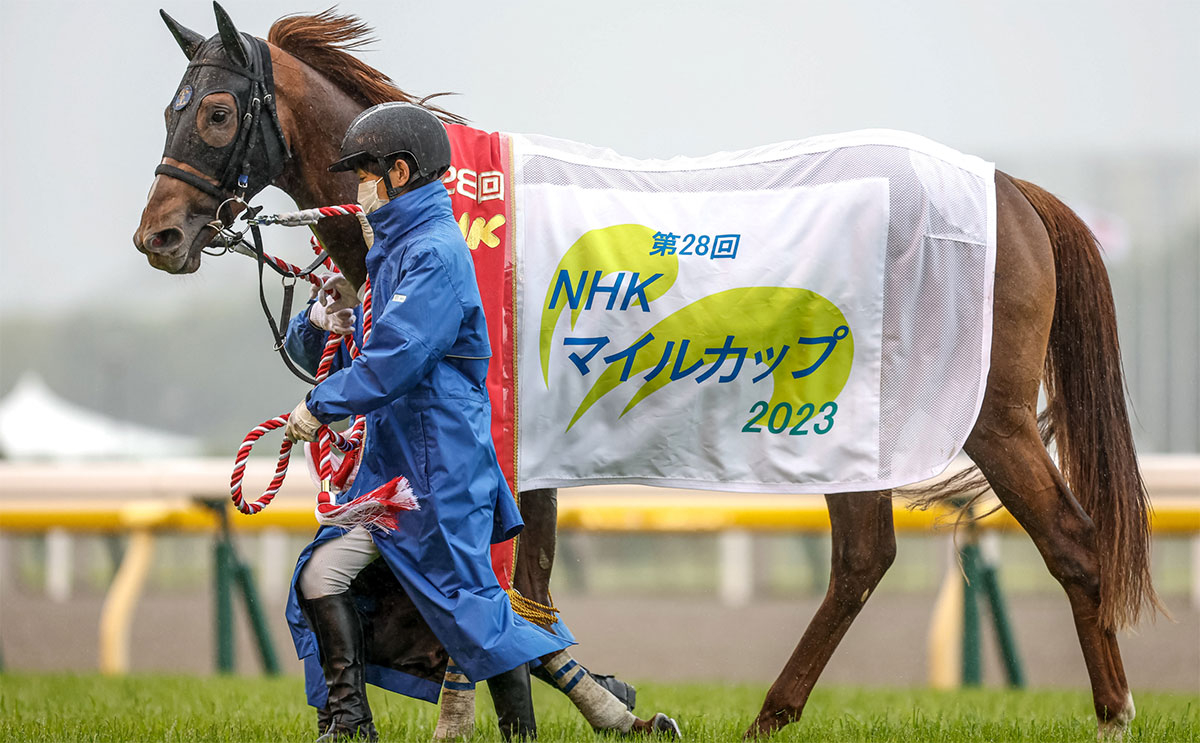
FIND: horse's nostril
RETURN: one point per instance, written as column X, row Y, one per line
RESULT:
column 165, row 240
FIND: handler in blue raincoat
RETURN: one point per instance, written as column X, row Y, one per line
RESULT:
column 419, row 381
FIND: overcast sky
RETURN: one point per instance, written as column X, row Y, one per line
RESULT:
column 83, row 86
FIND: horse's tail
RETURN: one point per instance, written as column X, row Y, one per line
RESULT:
column 1086, row 413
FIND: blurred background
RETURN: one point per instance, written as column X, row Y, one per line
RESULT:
column 1094, row 100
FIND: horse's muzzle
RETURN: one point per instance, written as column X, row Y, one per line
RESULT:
column 165, row 250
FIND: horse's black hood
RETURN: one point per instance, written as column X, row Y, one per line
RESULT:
column 258, row 152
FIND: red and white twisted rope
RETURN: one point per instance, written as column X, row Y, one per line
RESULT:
column 376, row 509
column 306, row 217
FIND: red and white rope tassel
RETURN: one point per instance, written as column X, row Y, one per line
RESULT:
column 333, row 458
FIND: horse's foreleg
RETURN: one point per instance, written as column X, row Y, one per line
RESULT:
column 864, row 545
column 535, row 553
column 1026, row 481
column 609, row 700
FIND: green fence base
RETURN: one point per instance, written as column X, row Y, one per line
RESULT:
column 980, row 577
column 228, row 570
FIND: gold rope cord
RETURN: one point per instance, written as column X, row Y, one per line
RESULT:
column 539, row 614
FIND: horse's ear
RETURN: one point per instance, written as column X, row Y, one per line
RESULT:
column 189, row 41
column 230, row 38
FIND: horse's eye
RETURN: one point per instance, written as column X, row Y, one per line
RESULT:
column 218, row 117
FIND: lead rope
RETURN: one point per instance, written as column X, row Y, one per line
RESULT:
column 376, row 509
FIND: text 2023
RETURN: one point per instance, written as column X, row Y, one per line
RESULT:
column 781, row 418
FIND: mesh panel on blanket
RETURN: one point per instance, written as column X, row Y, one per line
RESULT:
column 938, row 216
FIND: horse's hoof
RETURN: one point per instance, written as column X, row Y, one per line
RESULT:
column 1113, row 730
column 665, row 727
column 760, row 729
column 659, row 726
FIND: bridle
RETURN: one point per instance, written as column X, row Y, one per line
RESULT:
column 259, row 148
column 228, row 239
column 242, row 168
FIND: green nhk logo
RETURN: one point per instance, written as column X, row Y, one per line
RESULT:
column 794, row 337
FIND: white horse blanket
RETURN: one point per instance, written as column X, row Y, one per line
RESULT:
column 806, row 317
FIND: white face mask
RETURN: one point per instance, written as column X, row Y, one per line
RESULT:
column 368, row 196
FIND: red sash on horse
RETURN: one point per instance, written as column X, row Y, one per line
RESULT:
column 480, row 191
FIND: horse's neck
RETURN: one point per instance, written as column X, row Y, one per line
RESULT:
column 315, row 115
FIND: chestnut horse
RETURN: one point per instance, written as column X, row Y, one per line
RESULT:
column 1054, row 326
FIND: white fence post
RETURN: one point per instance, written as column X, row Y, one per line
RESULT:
column 274, row 569
column 58, row 565
column 1196, row 571
column 736, row 548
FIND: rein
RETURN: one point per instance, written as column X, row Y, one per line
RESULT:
column 234, row 241
column 376, row 509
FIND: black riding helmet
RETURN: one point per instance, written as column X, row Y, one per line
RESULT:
column 384, row 132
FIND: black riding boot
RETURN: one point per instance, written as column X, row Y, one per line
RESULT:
column 514, row 705
column 340, row 644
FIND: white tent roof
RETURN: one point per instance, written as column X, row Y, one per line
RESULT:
column 37, row 424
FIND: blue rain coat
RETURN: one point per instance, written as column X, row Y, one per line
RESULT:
column 419, row 381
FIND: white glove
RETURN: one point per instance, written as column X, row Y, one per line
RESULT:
column 337, row 293
column 333, row 310
column 302, row 425
column 340, row 322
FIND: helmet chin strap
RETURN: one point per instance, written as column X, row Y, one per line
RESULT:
column 392, row 191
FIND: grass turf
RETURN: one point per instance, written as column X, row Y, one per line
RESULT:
column 37, row 708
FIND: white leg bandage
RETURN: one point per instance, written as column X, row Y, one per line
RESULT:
column 456, row 711
column 600, row 708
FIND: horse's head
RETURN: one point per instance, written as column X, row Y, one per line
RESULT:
column 224, row 144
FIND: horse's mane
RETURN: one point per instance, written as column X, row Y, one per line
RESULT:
column 324, row 42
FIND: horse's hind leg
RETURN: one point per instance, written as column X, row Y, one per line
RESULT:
column 1006, row 445
column 1010, row 453
column 864, row 546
